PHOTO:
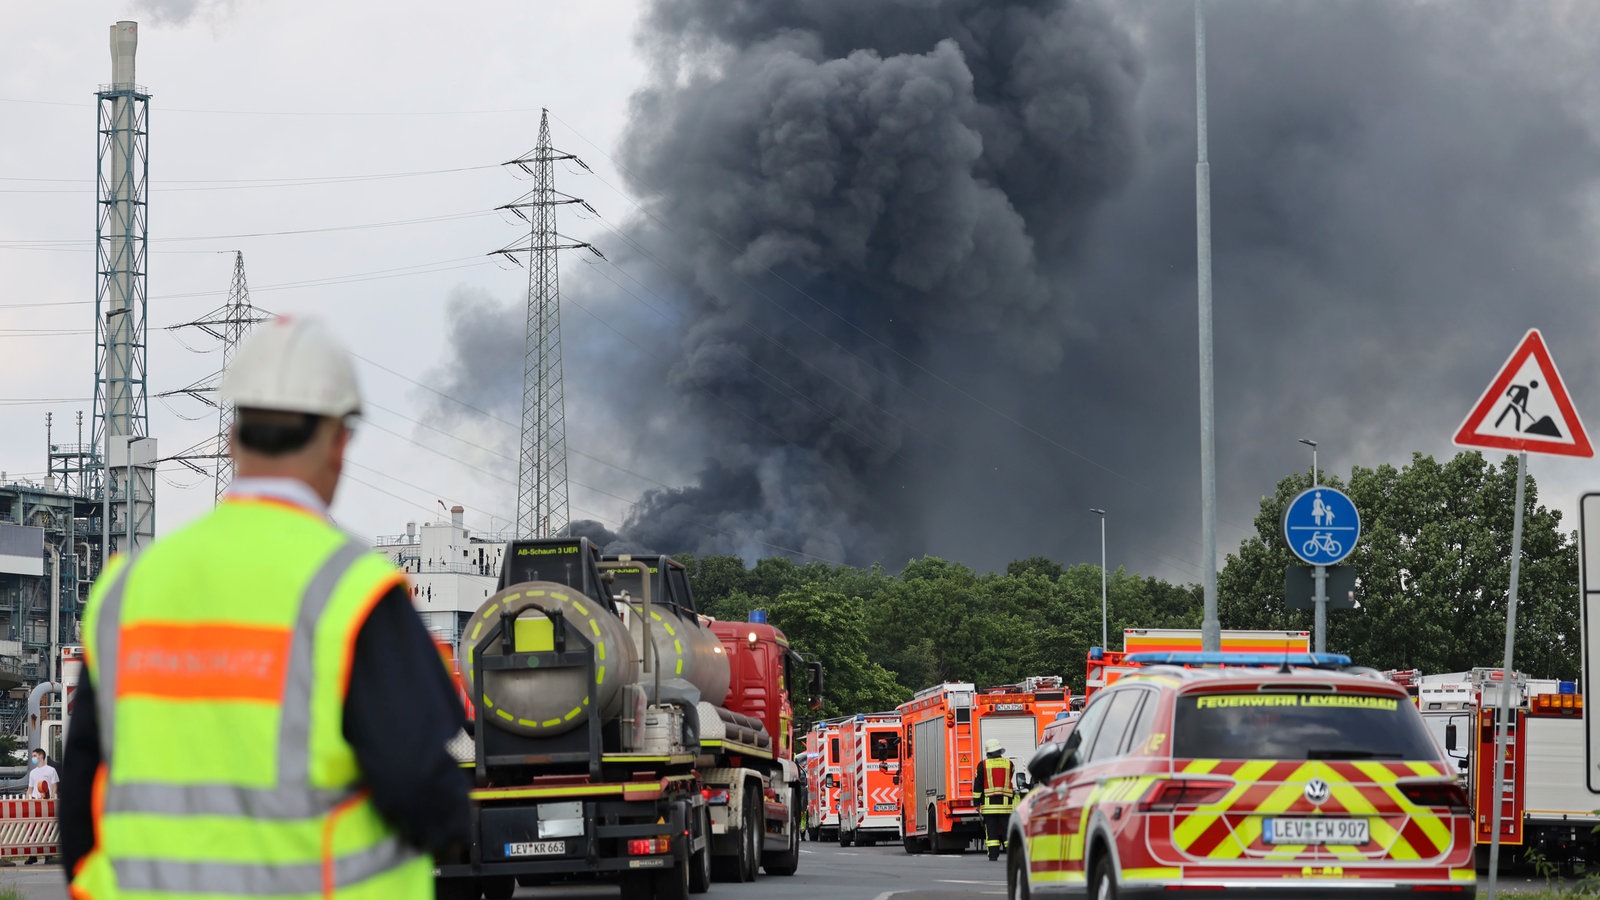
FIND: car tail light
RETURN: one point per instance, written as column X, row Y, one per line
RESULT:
column 1447, row 794
column 649, row 846
column 1168, row 795
column 715, row 796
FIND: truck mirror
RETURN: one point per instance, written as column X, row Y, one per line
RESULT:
column 1450, row 737
column 815, row 671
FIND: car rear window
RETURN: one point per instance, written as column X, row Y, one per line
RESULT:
column 1287, row 725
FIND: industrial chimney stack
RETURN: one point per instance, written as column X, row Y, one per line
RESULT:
column 126, row 483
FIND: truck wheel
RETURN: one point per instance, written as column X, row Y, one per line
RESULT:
column 672, row 883
column 936, row 841
column 498, row 887
column 846, row 838
column 788, row 861
column 912, row 843
column 700, row 862
column 456, row 888
column 755, row 820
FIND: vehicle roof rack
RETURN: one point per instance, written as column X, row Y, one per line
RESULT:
column 1202, row 658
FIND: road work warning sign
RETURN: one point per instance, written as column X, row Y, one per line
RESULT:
column 1526, row 407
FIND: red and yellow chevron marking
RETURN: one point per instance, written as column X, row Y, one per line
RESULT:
column 1231, row 829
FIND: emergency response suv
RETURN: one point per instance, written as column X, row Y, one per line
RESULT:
column 1226, row 775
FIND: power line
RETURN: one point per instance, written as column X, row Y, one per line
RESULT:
column 300, row 112
column 229, row 184
column 73, row 243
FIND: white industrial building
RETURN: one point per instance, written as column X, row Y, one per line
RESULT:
column 450, row 570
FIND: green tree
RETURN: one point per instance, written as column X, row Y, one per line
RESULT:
column 1432, row 570
column 831, row 628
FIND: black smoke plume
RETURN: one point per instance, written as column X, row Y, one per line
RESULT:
column 923, row 271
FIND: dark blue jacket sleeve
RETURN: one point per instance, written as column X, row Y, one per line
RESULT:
column 80, row 760
column 399, row 714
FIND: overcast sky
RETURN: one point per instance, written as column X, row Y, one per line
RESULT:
column 885, row 279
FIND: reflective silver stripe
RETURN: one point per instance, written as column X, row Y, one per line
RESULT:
column 291, row 797
column 278, row 804
column 106, row 632
column 258, row 879
column 294, row 728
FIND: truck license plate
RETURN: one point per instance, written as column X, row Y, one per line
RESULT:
column 537, row 848
column 1322, row 830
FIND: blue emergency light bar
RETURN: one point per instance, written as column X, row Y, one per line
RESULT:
column 1192, row 658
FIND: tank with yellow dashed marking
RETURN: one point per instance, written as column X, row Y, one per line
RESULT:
column 686, row 648
column 552, row 701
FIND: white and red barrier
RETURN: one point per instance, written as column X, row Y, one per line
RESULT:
column 29, row 828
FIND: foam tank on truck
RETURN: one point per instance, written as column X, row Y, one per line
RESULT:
column 683, row 644
column 550, row 702
column 543, row 583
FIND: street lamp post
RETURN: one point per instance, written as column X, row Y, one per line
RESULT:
column 1104, row 634
column 1313, row 445
column 1319, row 577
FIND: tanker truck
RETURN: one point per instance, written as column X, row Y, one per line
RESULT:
column 617, row 735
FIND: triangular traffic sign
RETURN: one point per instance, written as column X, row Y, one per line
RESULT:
column 1526, row 407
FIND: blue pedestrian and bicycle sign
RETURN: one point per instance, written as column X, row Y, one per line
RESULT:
column 1321, row 526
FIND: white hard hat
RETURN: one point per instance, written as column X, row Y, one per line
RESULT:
column 992, row 745
column 293, row 365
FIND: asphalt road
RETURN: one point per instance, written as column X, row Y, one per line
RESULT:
column 826, row 870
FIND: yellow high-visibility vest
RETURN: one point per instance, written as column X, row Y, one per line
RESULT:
column 220, row 658
column 998, row 793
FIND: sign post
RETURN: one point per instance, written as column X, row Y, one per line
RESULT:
column 1589, row 584
column 1532, row 413
column 1322, row 526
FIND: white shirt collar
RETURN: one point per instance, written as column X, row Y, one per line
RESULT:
column 287, row 490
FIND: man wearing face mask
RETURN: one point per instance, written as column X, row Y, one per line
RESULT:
column 42, row 781
column 42, row 777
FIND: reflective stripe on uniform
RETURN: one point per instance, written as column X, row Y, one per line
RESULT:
column 256, row 878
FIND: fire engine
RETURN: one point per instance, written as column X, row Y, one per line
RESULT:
column 1106, row 666
column 1545, row 805
column 822, row 780
column 869, row 777
column 942, row 730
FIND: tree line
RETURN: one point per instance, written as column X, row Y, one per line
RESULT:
column 1432, row 573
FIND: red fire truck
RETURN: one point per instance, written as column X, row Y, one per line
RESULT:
column 943, row 729
column 1106, row 666
column 1545, row 806
column 822, row 780
column 869, row 775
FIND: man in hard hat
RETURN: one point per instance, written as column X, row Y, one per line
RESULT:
column 995, row 794
column 261, row 712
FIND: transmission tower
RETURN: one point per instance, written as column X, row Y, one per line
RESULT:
column 228, row 324
column 125, row 480
column 542, row 468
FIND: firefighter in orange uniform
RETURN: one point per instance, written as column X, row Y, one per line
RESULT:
column 995, row 792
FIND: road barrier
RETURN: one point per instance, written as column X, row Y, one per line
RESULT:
column 28, row 828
